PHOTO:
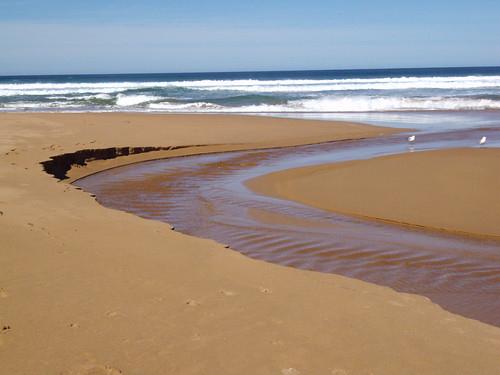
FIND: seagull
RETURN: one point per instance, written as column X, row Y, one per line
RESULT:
column 411, row 138
column 482, row 141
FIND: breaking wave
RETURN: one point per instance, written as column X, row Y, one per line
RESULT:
column 298, row 92
column 253, row 85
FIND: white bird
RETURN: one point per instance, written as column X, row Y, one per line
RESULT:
column 482, row 141
column 411, row 138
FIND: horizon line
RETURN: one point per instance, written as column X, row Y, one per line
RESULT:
column 249, row 71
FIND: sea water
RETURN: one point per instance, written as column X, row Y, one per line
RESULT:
column 280, row 92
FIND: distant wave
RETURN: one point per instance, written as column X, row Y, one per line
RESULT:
column 370, row 104
column 404, row 83
column 256, row 86
column 233, row 94
column 130, row 100
column 323, row 104
column 346, row 104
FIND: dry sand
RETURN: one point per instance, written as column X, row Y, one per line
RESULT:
column 89, row 290
column 455, row 190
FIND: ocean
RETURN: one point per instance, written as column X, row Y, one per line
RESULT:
column 299, row 92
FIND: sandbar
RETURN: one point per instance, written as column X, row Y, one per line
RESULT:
column 453, row 190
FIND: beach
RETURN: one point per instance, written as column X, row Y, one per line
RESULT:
column 451, row 190
column 89, row 290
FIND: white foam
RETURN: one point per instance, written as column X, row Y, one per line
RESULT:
column 37, row 106
column 81, row 97
column 453, row 83
column 188, row 107
column 322, row 95
column 252, row 85
column 131, row 100
column 375, row 104
column 341, row 104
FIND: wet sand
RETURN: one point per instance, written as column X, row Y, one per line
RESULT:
column 89, row 290
column 205, row 196
column 453, row 190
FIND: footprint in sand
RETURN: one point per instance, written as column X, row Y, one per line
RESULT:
column 290, row 371
column 227, row 293
column 6, row 328
column 112, row 314
column 192, row 303
column 265, row 290
column 74, row 325
column 3, row 293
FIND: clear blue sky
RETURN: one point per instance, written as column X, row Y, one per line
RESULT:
column 111, row 36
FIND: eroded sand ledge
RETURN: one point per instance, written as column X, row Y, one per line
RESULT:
column 454, row 190
column 84, row 288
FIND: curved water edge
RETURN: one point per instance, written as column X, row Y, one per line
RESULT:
column 205, row 196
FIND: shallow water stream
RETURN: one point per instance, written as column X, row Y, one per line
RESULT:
column 205, row 196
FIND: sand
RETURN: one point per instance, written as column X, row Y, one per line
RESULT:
column 89, row 290
column 453, row 190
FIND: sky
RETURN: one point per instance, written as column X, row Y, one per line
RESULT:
column 96, row 36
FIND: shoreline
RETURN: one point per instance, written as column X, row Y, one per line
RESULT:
column 86, row 289
column 96, row 166
column 326, row 135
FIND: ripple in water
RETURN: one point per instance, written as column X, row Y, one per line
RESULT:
column 205, row 196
